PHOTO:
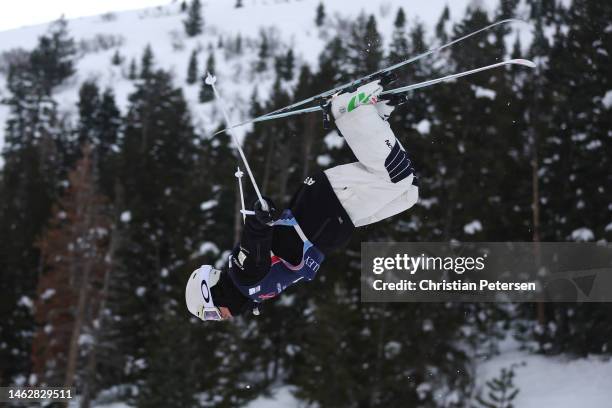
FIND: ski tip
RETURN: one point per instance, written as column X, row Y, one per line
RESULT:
column 524, row 62
column 513, row 20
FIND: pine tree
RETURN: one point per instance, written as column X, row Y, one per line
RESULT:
column 74, row 248
column 417, row 39
column 441, row 25
column 194, row 22
column 309, row 124
column 568, row 91
column 467, row 112
column 210, row 63
column 365, row 45
column 159, row 167
column 88, row 104
column 288, row 66
column 132, row 70
column 238, row 4
column 399, row 48
column 283, row 66
column 109, row 125
column 501, row 391
column 52, row 61
column 264, row 53
column 183, row 6
column 99, row 122
column 206, row 92
column 238, row 45
column 507, row 9
column 333, row 65
column 146, row 64
column 278, row 66
column 33, row 168
column 192, row 69
column 117, row 59
column 320, row 17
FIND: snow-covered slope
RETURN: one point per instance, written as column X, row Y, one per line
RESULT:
column 291, row 20
column 559, row 381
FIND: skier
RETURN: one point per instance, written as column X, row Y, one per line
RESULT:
column 278, row 249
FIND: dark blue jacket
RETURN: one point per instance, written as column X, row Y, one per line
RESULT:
column 322, row 219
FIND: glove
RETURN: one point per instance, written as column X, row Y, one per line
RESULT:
column 347, row 102
column 384, row 109
column 268, row 216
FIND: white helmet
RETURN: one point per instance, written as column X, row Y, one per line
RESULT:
column 198, row 295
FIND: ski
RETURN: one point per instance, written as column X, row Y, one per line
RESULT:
column 407, row 88
column 371, row 77
column 403, row 89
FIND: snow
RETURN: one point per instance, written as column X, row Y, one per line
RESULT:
column 579, row 137
column 48, row 293
column 111, row 405
column 558, row 382
column 208, row 247
column 324, row 160
column 333, row 140
column 472, row 227
column 428, row 202
column 608, row 227
column 583, row 234
column 423, row 389
column 481, row 92
column 593, row 144
column 86, row 339
column 281, row 398
column 140, row 291
column 126, row 216
column 26, row 302
column 607, row 99
column 392, row 349
column 424, row 126
column 207, row 205
column 293, row 25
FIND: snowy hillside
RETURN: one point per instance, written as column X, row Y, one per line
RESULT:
column 290, row 23
column 542, row 381
column 559, row 382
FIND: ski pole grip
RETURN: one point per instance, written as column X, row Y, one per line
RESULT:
column 387, row 78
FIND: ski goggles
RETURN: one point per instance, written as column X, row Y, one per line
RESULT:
column 209, row 313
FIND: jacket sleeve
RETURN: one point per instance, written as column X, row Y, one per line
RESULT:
column 251, row 257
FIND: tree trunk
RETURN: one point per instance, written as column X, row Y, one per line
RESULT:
column 73, row 351
column 90, row 371
column 268, row 163
column 284, row 173
column 535, row 210
column 79, row 231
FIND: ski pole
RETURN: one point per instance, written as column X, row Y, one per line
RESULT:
column 210, row 80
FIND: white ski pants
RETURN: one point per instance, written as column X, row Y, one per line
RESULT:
column 380, row 184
